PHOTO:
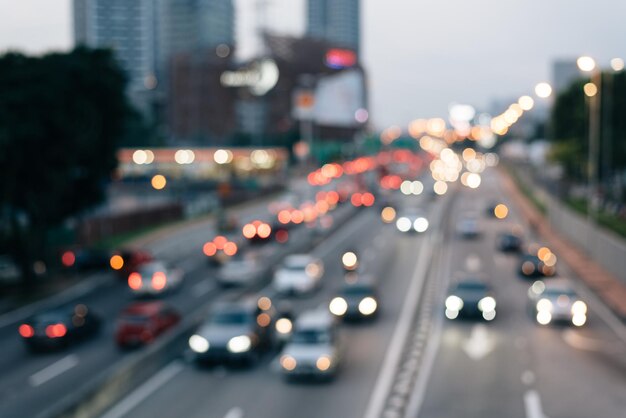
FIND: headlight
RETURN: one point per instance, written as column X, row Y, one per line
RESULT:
column 544, row 305
column 368, row 306
column 239, row 344
column 544, row 317
column 487, row 304
column 454, row 303
column 338, row 306
column 284, row 326
column 579, row 308
column 350, row 260
column 198, row 344
column 323, row 363
column 403, row 224
column 288, row 363
column 420, row 224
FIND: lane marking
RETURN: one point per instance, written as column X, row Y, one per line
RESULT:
column 528, row 377
column 532, row 402
column 53, row 370
column 403, row 326
column 236, row 412
column 473, row 263
column 144, row 391
column 202, row 288
column 480, row 343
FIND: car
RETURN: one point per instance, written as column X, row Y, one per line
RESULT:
column 141, row 323
column 59, row 327
column 556, row 302
column 509, row 242
column 154, row 278
column 355, row 301
column 314, row 350
column 85, row 259
column 531, row 266
column 235, row 332
column 238, row 271
column 411, row 220
column 299, row 274
column 468, row 227
column 470, row 298
column 9, row 270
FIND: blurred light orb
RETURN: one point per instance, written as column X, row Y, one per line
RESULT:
column 543, row 90
column 158, row 182
column 526, row 103
column 222, row 50
column 388, row 215
column 223, row 156
column 140, row 157
column 586, row 63
column 501, row 211
column 440, row 187
column 468, row 154
column 361, row 115
column 617, row 64
column 349, row 260
column 473, row 180
column 116, row 262
column 590, row 89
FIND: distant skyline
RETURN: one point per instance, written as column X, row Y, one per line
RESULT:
column 420, row 55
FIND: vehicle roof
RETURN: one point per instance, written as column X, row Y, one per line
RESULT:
column 318, row 319
column 298, row 259
column 560, row 284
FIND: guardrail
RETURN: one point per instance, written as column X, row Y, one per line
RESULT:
column 111, row 385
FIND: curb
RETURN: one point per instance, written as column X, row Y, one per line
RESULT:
column 603, row 283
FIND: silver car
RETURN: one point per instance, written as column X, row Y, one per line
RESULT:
column 238, row 271
column 299, row 274
column 556, row 301
column 314, row 350
column 154, row 279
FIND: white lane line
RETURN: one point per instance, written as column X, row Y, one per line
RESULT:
column 403, row 326
column 528, row 377
column 142, row 392
column 53, row 370
column 473, row 263
column 532, row 402
column 236, row 412
column 201, row 288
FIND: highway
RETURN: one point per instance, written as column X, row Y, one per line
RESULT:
column 508, row 367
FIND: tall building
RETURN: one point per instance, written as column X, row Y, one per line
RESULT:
column 147, row 34
column 129, row 28
column 335, row 21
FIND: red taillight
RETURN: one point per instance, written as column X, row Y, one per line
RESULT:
column 159, row 280
column 56, row 331
column 26, row 331
column 209, row 249
column 249, row 231
column 134, row 281
column 264, row 230
column 68, row 259
column 230, row 248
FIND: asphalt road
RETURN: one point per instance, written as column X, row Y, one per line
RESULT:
column 513, row 367
column 31, row 383
column 183, row 389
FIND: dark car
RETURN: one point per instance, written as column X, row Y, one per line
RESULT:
column 531, row 266
column 235, row 332
column 142, row 322
column 85, row 259
column 471, row 298
column 355, row 301
column 59, row 327
column 509, row 243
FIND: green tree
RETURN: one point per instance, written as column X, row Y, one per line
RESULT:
column 61, row 116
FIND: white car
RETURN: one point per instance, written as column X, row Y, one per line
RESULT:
column 314, row 350
column 298, row 274
column 556, row 301
column 154, row 278
column 238, row 271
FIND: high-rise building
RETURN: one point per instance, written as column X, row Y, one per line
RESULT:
column 128, row 27
column 335, row 21
column 146, row 34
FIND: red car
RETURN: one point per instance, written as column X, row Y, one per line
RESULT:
column 141, row 322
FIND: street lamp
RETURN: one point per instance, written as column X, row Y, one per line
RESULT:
column 543, row 90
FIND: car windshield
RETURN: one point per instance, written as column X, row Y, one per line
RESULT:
column 472, row 287
column 357, row 291
column 230, row 318
column 555, row 292
column 311, row 336
column 134, row 319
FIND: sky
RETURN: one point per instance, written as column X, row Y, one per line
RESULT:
column 421, row 55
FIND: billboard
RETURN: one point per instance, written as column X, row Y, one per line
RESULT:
column 340, row 99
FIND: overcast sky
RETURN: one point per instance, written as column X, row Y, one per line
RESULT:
column 421, row 55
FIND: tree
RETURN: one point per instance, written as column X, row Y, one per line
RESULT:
column 61, row 116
